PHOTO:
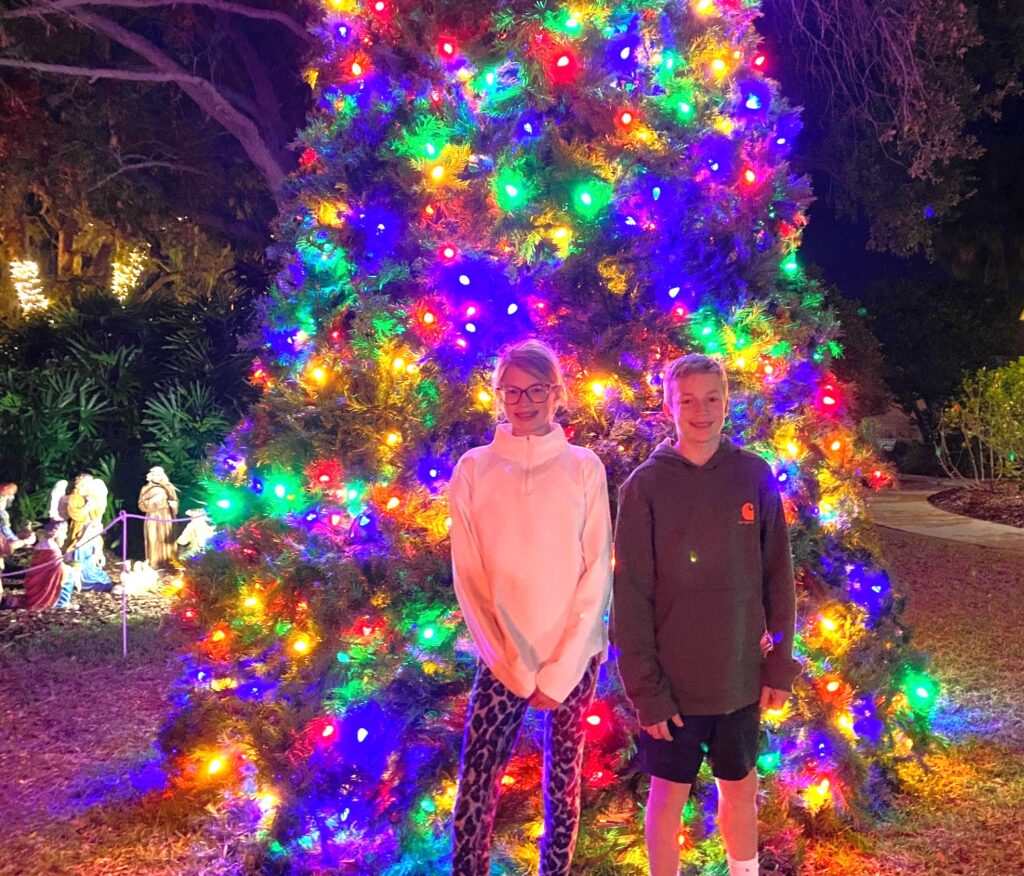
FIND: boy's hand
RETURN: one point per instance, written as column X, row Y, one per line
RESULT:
column 660, row 730
column 772, row 698
column 541, row 700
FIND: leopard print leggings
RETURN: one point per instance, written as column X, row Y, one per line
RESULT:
column 492, row 727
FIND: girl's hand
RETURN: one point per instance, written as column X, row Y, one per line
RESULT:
column 541, row 700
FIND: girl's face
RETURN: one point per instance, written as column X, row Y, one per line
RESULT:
column 526, row 416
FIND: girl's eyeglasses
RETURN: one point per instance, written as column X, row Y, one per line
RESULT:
column 537, row 393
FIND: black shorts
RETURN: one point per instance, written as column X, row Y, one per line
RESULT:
column 730, row 741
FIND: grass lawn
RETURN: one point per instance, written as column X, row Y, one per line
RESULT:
column 81, row 792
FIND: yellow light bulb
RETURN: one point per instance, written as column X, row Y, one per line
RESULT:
column 215, row 766
column 393, row 503
column 301, row 646
column 393, row 438
column 597, row 388
column 319, row 375
column 437, row 172
column 398, row 364
column 484, row 397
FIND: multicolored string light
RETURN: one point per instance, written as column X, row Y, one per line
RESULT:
column 613, row 177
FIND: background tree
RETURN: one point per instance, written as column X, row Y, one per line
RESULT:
column 141, row 147
column 934, row 329
column 984, row 242
column 894, row 92
column 106, row 162
column 169, row 44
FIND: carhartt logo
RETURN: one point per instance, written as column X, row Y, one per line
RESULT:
column 747, row 513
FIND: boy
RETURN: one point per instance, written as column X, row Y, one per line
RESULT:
column 704, row 613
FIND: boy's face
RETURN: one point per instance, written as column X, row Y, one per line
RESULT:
column 697, row 406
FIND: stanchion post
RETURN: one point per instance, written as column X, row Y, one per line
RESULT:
column 124, row 590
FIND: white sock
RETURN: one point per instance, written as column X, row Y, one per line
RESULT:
column 742, row 868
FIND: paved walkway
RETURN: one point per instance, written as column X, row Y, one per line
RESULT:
column 908, row 509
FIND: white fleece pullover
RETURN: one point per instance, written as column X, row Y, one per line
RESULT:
column 531, row 555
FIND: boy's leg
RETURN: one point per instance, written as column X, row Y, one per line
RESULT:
column 492, row 726
column 733, row 754
column 665, row 804
column 737, row 820
column 563, row 765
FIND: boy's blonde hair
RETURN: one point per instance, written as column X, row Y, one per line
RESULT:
column 691, row 363
column 534, row 357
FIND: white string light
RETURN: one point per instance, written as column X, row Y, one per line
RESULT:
column 28, row 285
column 125, row 274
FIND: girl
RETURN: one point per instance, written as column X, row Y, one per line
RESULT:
column 531, row 556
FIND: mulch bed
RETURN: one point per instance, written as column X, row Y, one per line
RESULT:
column 1000, row 503
column 83, row 792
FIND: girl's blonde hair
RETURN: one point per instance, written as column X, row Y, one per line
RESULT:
column 535, row 358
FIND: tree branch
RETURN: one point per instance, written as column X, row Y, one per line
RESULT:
column 142, row 165
column 92, row 72
column 61, row 6
column 203, row 92
column 267, row 101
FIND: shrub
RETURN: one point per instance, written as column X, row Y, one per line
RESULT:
column 981, row 432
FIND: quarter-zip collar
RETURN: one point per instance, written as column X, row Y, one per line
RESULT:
column 528, row 451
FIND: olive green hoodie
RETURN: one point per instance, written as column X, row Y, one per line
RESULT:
column 703, row 570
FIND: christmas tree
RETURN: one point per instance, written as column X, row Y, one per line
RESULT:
column 611, row 176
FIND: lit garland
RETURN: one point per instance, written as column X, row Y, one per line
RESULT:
column 612, row 177
column 28, row 286
column 125, row 274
